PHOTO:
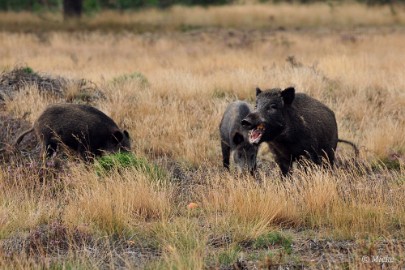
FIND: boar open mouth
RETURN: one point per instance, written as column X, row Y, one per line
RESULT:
column 256, row 134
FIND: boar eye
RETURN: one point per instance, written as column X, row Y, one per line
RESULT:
column 272, row 107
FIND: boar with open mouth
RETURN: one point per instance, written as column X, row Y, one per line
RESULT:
column 294, row 126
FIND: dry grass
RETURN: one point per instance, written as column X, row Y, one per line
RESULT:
column 169, row 91
column 21, row 106
column 117, row 207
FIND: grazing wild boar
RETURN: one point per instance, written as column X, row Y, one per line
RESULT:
column 234, row 138
column 82, row 128
column 294, row 126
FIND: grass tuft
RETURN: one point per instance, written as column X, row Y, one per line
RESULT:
column 125, row 160
column 135, row 76
column 28, row 70
column 273, row 239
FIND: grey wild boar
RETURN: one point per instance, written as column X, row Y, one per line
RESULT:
column 81, row 128
column 234, row 138
column 294, row 126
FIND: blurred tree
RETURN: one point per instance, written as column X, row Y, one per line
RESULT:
column 16, row 4
column 72, row 8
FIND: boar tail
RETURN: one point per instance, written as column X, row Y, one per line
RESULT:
column 19, row 139
column 356, row 150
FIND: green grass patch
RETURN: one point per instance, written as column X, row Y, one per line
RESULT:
column 125, row 160
column 228, row 257
column 135, row 76
column 69, row 265
column 391, row 163
column 28, row 70
column 274, row 239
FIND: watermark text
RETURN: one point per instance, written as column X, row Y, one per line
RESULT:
column 377, row 259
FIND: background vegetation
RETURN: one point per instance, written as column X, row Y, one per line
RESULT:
column 96, row 5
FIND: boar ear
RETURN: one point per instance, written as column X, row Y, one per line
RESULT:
column 118, row 136
column 126, row 134
column 258, row 91
column 237, row 138
column 288, row 95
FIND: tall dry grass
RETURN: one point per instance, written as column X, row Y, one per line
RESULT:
column 191, row 82
column 169, row 91
column 117, row 207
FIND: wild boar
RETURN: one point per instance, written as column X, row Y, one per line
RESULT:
column 294, row 126
column 81, row 128
column 234, row 138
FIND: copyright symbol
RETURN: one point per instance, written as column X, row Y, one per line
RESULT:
column 365, row 259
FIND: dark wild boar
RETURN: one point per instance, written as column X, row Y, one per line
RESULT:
column 294, row 126
column 234, row 138
column 81, row 128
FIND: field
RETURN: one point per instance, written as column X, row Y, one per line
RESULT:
column 167, row 81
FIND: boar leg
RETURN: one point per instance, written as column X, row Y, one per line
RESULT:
column 331, row 157
column 50, row 148
column 226, row 152
column 284, row 164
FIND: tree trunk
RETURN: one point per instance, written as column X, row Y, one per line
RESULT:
column 72, row 8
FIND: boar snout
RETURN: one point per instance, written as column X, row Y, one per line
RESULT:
column 256, row 127
column 250, row 121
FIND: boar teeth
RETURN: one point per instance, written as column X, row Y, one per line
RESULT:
column 255, row 136
column 260, row 127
